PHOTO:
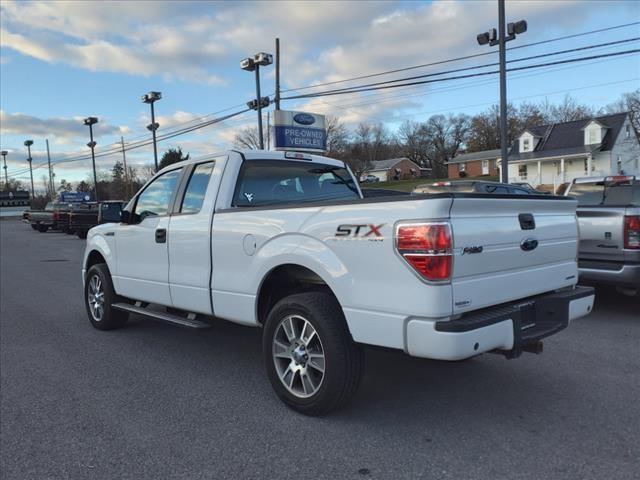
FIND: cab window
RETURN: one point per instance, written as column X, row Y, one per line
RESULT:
column 196, row 188
column 270, row 182
column 155, row 199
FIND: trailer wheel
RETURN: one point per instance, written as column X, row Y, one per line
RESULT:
column 311, row 360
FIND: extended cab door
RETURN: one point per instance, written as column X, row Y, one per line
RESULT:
column 190, row 237
column 142, row 258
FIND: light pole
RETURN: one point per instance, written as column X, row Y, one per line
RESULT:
column 90, row 122
column 151, row 98
column 4, row 154
column 490, row 38
column 253, row 65
column 28, row 143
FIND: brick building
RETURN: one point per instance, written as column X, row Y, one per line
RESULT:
column 394, row 169
column 474, row 164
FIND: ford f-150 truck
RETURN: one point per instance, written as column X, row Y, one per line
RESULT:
column 609, row 229
column 286, row 242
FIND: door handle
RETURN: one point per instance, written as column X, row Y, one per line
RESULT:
column 161, row 235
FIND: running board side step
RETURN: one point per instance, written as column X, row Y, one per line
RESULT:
column 190, row 322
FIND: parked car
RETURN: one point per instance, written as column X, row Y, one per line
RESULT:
column 609, row 224
column 473, row 186
column 370, row 179
column 83, row 219
column 286, row 242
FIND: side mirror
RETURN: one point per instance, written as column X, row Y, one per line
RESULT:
column 125, row 216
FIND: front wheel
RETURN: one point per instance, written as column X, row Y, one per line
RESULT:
column 312, row 363
column 99, row 296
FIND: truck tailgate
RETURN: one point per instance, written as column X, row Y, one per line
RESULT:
column 507, row 248
column 601, row 233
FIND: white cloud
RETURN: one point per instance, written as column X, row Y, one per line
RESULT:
column 59, row 129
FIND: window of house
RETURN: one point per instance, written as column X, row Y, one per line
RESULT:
column 628, row 131
column 485, row 167
column 155, row 199
column 196, row 189
column 522, row 171
column 526, row 143
column 592, row 135
column 462, row 167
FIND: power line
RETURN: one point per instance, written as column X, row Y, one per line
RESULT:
column 136, row 145
column 457, row 59
column 458, row 77
column 486, row 65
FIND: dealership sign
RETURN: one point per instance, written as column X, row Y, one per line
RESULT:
column 70, row 197
column 300, row 131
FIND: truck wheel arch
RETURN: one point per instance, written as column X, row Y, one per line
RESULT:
column 284, row 280
column 94, row 258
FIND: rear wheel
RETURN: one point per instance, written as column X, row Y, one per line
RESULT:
column 42, row 228
column 312, row 363
column 99, row 296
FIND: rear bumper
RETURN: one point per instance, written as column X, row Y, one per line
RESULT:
column 511, row 328
column 625, row 274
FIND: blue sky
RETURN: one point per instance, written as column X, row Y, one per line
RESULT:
column 62, row 61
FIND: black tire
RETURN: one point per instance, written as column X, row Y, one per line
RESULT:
column 34, row 226
column 110, row 318
column 343, row 359
column 42, row 228
column 82, row 234
column 68, row 231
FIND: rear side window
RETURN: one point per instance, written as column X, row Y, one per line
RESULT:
column 271, row 182
column 495, row 189
column 196, row 188
column 598, row 193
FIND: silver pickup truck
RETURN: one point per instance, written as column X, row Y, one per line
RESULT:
column 609, row 224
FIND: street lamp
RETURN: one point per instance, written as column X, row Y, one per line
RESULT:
column 499, row 38
column 253, row 65
column 90, row 122
column 6, row 178
column 151, row 98
column 28, row 143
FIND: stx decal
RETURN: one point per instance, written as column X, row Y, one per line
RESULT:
column 358, row 231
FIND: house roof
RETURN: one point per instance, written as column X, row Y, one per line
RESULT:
column 567, row 138
column 386, row 164
column 474, row 156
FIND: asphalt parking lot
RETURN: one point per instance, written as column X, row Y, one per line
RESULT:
column 157, row 401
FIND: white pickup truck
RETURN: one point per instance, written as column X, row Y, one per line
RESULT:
column 286, row 242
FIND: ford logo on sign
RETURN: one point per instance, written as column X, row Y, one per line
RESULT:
column 304, row 119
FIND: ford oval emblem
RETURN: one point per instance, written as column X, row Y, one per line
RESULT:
column 304, row 119
column 528, row 244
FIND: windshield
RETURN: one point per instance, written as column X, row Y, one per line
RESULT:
column 600, row 193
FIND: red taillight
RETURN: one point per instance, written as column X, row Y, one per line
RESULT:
column 426, row 247
column 632, row 232
column 55, row 215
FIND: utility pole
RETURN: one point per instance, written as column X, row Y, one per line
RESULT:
column 268, row 131
column 50, row 171
column 503, row 36
column 28, row 143
column 277, row 96
column 126, row 172
column 259, row 107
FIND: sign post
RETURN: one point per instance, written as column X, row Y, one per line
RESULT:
column 300, row 131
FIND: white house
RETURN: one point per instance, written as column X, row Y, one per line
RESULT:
column 558, row 153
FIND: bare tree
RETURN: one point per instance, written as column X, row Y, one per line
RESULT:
column 630, row 102
column 413, row 143
column 247, row 138
column 566, row 111
column 446, row 135
column 337, row 138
